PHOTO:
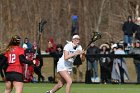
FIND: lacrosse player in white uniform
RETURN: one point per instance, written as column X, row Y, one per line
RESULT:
column 65, row 63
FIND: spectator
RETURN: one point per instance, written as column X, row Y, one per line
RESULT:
column 136, row 50
column 51, row 47
column 128, row 30
column 93, row 62
column 105, row 62
column 119, row 69
column 137, row 33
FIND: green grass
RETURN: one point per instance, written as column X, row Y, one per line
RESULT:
column 80, row 88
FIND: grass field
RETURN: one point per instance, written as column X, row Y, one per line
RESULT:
column 80, row 88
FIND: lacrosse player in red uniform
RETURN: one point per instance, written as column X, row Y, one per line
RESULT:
column 14, row 58
column 28, row 69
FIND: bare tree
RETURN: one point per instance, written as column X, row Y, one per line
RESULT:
column 106, row 16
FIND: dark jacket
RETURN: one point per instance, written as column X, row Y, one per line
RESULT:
column 128, row 28
column 92, row 51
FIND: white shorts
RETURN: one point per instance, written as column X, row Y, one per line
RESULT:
column 62, row 67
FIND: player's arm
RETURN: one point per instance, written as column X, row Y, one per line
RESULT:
column 3, row 61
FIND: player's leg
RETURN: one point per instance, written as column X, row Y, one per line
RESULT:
column 9, row 87
column 66, row 76
column 57, row 86
column 18, row 86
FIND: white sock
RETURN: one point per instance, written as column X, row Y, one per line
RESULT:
column 51, row 91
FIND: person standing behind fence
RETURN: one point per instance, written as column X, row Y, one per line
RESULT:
column 65, row 63
column 119, row 69
column 93, row 62
column 105, row 62
column 137, row 32
column 136, row 50
column 14, row 58
column 51, row 49
column 128, row 30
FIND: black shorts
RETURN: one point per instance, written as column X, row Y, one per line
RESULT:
column 14, row 76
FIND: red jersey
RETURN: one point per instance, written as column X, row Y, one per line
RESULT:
column 37, row 62
column 14, row 64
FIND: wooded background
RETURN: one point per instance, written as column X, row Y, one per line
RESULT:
column 22, row 17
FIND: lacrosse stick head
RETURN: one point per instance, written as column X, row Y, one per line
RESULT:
column 96, row 36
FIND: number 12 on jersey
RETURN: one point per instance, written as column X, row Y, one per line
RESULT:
column 12, row 58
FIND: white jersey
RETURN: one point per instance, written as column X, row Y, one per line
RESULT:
column 67, row 64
